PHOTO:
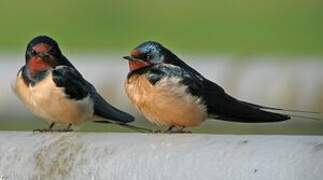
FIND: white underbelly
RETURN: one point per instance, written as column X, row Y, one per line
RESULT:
column 49, row 102
column 166, row 103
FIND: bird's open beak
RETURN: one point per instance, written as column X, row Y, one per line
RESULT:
column 129, row 58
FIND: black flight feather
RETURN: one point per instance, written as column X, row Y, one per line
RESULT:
column 226, row 107
column 76, row 87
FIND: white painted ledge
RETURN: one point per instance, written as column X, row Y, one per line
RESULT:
column 24, row 155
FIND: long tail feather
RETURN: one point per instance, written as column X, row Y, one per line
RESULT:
column 278, row 109
column 306, row 117
column 286, row 110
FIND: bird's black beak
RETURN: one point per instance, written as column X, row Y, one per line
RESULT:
column 129, row 58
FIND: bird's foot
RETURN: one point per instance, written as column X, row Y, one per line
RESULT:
column 64, row 130
column 173, row 130
column 50, row 129
column 67, row 129
column 44, row 130
column 158, row 131
column 181, row 131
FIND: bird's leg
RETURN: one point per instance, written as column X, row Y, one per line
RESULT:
column 67, row 129
column 51, row 126
column 183, row 131
column 179, row 130
column 69, row 126
column 49, row 129
column 173, row 129
column 169, row 130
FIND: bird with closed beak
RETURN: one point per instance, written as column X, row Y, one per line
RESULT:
column 169, row 92
column 53, row 89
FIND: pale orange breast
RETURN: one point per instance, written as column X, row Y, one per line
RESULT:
column 49, row 102
column 166, row 102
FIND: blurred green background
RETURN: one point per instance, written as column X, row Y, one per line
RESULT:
column 292, row 27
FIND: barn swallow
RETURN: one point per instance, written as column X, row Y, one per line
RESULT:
column 169, row 92
column 53, row 89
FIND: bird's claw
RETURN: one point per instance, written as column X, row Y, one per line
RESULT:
column 182, row 132
column 172, row 131
column 46, row 130
column 42, row 130
column 64, row 130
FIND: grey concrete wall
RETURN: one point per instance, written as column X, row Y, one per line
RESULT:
column 159, row 156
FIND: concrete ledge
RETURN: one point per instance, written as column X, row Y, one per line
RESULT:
column 24, row 155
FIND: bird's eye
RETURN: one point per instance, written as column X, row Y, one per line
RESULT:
column 51, row 51
column 33, row 52
column 148, row 56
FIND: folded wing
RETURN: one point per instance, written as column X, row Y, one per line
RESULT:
column 76, row 87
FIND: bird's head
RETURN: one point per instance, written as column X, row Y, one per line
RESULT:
column 42, row 54
column 147, row 54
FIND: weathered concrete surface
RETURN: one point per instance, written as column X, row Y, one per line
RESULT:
column 24, row 155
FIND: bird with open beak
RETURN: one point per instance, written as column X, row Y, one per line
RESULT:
column 169, row 92
column 52, row 88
